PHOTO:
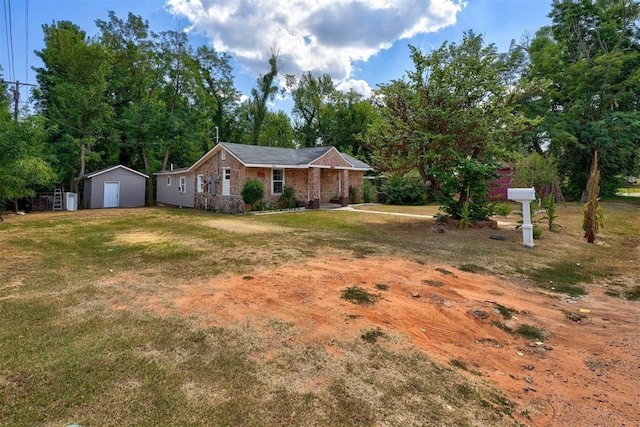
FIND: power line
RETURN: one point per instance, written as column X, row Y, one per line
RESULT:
column 26, row 44
column 9, row 29
column 7, row 35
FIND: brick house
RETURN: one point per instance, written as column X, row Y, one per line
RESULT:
column 317, row 175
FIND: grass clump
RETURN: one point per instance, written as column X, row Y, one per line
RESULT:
column 506, row 312
column 562, row 277
column 458, row 364
column 382, row 287
column 526, row 331
column 502, row 326
column 444, row 271
column 434, row 283
column 372, row 336
column 358, row 295
column 471, row 268
column 530, row 332
column 633, row 294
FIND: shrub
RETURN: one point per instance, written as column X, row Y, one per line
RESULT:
column 549, row 206
column 467, row 181
column 353, row 195
column 287, row 200
column 502, row 209
column 252, row 192
column 407, row 190
column 537, row 232
column 368, row 191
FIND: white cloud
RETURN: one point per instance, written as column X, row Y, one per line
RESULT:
column 322, row 36
column 358, row 86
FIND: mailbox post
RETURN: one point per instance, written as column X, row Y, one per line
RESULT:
column 524, row 196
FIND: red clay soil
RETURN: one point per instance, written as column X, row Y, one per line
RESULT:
column 586, row 373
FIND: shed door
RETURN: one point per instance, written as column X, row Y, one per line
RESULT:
column 111, row 194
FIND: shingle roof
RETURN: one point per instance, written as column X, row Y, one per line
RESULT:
column 260, row 155
column 256, row 154
column 358, row 164
column 101, row 171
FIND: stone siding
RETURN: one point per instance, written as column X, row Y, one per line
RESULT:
column 311, row 186
column 332, row 158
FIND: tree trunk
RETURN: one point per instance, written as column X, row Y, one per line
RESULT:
column 83, row 164
column 167, row 151
column 591, row 221
column 556, row 191
column 150, row 179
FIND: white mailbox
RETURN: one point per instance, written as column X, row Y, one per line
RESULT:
column 521, row 194
column 524, row 196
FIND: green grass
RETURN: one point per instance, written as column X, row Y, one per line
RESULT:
column 531, row 332
column 506, row 312
column 562, row 277
column 69, row 356
column 358, row 295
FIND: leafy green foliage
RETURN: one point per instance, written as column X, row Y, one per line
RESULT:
column 465, row 216
column 503, row 208
column 308, row 93
column 25, row 167
column 368, row 191
column 550, row 217
column 468, row 183
column 448, row 120
column 590, row 55
column 252, row 192
column 535, row 171
column 405, row 190
column 287, row 199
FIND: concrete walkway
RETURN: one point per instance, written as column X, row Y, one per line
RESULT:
column 352, row 209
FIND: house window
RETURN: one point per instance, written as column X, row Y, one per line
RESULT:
column 182, row 188
column 200, row 183
column 169, row 181
column 223, row 154
column 277, row 181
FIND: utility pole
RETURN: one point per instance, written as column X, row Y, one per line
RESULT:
column 16, row 95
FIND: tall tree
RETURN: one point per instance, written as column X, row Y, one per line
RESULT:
column 309, row 94
column 24, row 167
column 591, row 54
column 72, row 97
column 260, row 95
column 449, row 120
column 136, row 82
column 216, row 96
column 276, row 130
column 344, row 120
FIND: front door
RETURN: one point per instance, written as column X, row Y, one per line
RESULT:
column 111, row 194
column 226, row 182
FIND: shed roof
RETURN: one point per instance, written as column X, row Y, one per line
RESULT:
column 101, row 171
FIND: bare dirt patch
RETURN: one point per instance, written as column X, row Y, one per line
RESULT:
column 243, row 227
column 583, row 373
column 140, row 238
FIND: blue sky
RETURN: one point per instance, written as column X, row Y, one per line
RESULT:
column 361, row 43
